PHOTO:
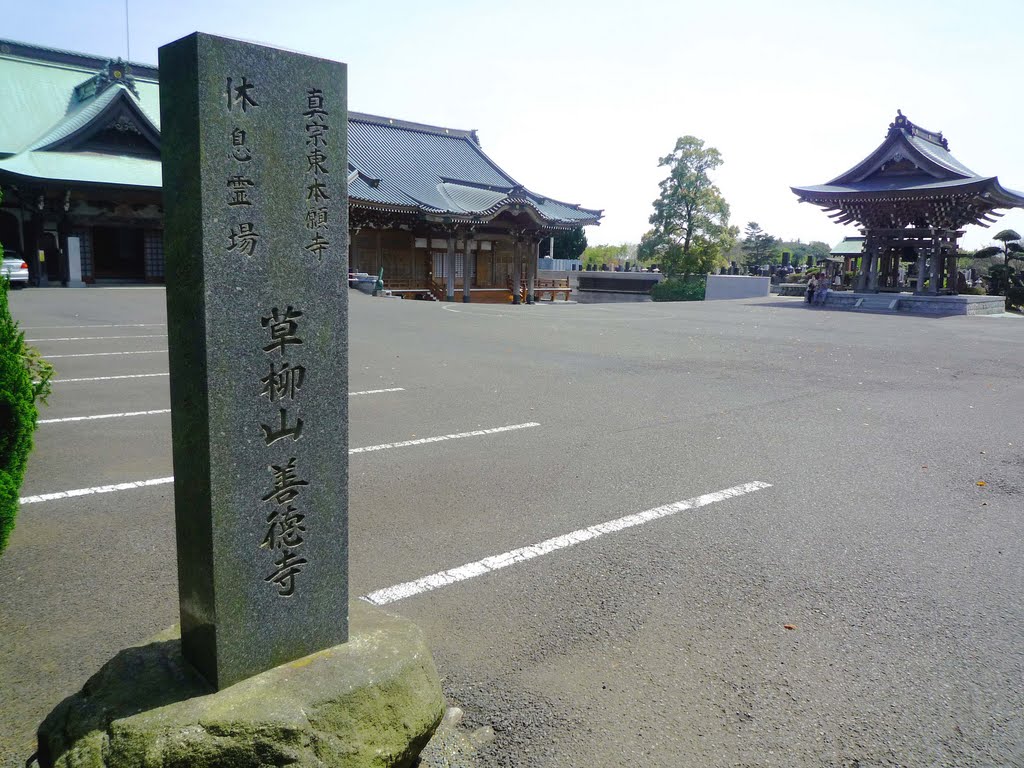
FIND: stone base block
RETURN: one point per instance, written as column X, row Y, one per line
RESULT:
column 917, row 304
column 374, row 701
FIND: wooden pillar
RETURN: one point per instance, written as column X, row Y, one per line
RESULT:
column 921, row 265
column 63, row 229
column 467, row 271
column 860, row 282
column 952, row 279
column 516, row 268
column 37, row 268
column 531, row 271
column 935, row 264
column 449, row 268
column 872, row 265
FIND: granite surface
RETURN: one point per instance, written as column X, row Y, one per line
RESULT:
column 254, row 156
column 374, row 701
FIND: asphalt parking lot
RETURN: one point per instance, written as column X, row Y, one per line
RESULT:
column 829, row 463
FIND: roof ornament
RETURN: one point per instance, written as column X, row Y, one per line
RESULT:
column 114, row 71
column 901, row 123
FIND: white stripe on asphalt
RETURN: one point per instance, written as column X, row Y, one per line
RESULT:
column 439, row 438
column 105, row 354
column 111, row 378
column 102, row 338
column 147, row 375
column 162, row 410
column 161, row 480
column 101, row 325
column 97, row 489
column 496, row 562
column 104, row 416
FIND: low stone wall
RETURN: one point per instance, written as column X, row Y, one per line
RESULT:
column 792, row 289
column 736, row 287
column 615, row 287
column 934, row 306
column 610, row 297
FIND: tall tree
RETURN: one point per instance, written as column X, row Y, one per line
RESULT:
column 758, row 245
column 691, row 218
column 1011, row 245
column 568, row 245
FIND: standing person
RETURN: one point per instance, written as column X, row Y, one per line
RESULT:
column 812, row 285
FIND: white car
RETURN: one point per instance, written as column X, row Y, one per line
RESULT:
column 15, row 269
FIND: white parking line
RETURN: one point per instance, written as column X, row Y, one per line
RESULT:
column 161, row 410
column 97, row 489
column 161, row 480
column 102, row 338
column 111, row 378
column 105, row 354
column 505, row 559
column 148, row 375
column 99, row 325
column 103, row 416
column 440, row 438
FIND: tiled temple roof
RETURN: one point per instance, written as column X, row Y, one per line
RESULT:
column 51, row 96
column 911, row 162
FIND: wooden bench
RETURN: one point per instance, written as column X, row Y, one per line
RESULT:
column 551, row 288
column 541, row 288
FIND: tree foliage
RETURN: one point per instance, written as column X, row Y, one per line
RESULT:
column 17, row 415
column 24, row 380
column 568, row 245
column 688, row 288
column 816, row 250
column 1012, row 247
column 759, row 247
column 690, row 224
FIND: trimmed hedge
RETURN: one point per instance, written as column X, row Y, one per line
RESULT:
column 689, row 288
column 1015, row 298
column 17, row 414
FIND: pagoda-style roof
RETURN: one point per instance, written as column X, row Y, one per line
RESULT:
column 912, row 179
column 69, row 118
column 441, row 173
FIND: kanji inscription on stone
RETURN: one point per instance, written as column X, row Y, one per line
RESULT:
column 254, row 153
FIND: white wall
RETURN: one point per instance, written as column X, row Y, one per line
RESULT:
column 736, row 287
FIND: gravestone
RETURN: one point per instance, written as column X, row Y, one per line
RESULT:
column 255, row 166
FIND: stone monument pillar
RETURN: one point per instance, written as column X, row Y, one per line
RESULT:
column 255, row 166
column 256, row 235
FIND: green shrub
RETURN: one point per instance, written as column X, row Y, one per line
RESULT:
column 1015, row 298
column 680, row 289
column 976, row 290
column 17, row 410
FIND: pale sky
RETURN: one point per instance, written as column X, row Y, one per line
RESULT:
column 578, row 100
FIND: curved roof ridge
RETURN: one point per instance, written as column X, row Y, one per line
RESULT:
column 578, row 206
column 394, row 122
column 32, row 51
column 928, row 150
